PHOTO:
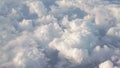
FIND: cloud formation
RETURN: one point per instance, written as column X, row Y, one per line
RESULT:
column 59, row 34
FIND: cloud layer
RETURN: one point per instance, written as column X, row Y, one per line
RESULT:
column 59, row 34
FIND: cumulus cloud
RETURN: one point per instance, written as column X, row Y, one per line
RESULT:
column 59, row 34
column 107, row 64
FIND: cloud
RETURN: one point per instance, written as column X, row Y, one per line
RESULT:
column 59, row 34
column 107, row 64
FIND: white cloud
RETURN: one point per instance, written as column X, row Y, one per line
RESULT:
column 106, row 64
column 37, row 7
column 63, row 34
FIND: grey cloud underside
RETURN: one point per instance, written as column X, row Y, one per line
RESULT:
column 59, row 34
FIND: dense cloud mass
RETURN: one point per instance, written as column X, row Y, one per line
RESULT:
column 59, row 34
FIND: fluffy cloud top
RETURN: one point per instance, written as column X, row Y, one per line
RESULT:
column 59, row 34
